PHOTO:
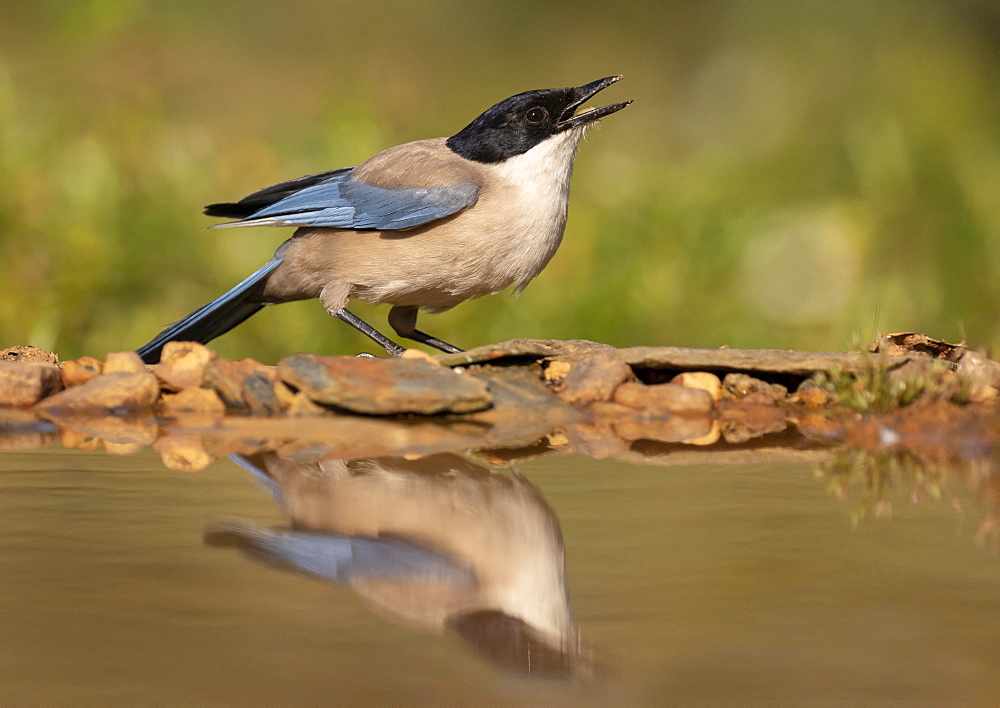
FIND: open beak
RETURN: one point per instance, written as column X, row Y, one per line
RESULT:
column 571, row 119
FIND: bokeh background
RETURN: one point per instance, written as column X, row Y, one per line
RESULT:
column 792, row 173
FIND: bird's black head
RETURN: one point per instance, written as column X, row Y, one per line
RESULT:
column 519, row 123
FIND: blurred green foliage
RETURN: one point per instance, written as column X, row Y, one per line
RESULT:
column 792, row 173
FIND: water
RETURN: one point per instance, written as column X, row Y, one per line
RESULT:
column 126, row 583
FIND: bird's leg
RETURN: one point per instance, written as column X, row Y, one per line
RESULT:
column 359, row 324
column 404, row 321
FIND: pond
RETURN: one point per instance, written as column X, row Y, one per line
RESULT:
column 459, row 577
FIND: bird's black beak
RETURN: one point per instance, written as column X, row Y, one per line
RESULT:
column 581, row 94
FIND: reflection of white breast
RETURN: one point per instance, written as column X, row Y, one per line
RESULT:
column 536, row 190
column 497, row 526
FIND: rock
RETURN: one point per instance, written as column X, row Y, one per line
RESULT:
column 383, row 386
column 113, row 448
column 22, row 430
column 596, row 440
column 556, row 371
column 663, row 399
column 981, row 373
column 193, row 400
column 258, row 387
column 80, row 371
column 740, row 385
column 811, row 395
column 127, row 362
column 24, row 384
column 117, row 390
column 419, row 354
column 300, row 406
column 679, row 428
column 700, row 379
column 223, row 377
column 78, row 440
column 183, row 452
column 28, row 354
column 742, row 421
column 567, row 350
column 124, row 432
column 594, row 378
column 182, row 365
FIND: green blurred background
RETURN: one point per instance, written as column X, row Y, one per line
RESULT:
column 792, row 174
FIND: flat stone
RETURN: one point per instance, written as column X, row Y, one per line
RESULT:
column 566, row 350
column 80, row 371
column 182, row 365
column 663, row 399
column 743, row 360
column 594, row 378
column 383, row 386
column 26, row 383
column 117, row 390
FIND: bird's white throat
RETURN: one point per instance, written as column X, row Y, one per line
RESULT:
column 537, row 217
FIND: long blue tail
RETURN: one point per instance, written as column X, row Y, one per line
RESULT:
column 216, row 318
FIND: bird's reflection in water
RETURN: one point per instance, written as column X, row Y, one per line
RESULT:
column 439, row 542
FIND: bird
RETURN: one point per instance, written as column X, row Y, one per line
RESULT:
column 423, row 225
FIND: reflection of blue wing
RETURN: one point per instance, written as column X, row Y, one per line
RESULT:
column 336, row 200
column 339, row 557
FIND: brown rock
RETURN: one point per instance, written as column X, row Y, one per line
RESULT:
column 22, row 430
column 419, row 354
column 383, row 386
column 678, row 428
column 24, row 384
column 594, row 440
column 127, row 362
column 742, row 421
column 740, row 385
column 594, row 378
column 80, row 371
column 113, row 448
column 182, row 365
column 811, row 395
column 117, row 390
column 193, row 400
column 223, row 377
column 300, row 405
column 78, row 440
column 566, row 350
column 709, row 438
column 136, row 432
column 556, row 371
column 700, row 379
column 183, row 452
column 663, row 399
column 28, row 354
column 257, row 387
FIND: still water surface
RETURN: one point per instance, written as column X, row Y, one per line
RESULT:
column 124, row 583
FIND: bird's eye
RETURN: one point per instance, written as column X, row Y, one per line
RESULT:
column 536, row 115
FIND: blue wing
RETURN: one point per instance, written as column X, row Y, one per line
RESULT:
column 341, row 557
column 336, row 200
